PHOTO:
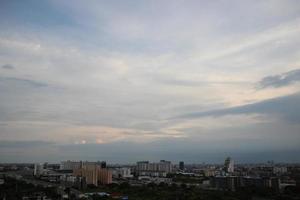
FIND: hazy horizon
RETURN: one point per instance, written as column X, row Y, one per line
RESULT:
column 124, row 81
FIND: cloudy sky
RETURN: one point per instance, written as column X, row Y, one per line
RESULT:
column 122, row 81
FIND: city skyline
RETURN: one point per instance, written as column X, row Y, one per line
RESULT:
column 123, row 81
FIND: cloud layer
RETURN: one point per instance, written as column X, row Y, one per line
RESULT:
column 285, row 107
column 86, row 76
column 281, row 80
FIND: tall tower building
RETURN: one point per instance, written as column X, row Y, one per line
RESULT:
column 229, row 165
column 38, row 169
column 103, row 164
column 181, row 165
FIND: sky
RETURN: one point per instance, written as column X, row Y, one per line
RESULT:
column 130, row 80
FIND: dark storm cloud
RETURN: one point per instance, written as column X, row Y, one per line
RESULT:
column 286, row 107
column 281, row 79
column 8, row 66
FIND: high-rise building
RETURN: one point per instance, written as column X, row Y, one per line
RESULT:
column 161, row 168
column 45, row 165
column 165, row 166
column 89, row 174
column 181, row 165
column 94, row 173
column 142, row 166
column 229, row 165
column 103, row 164
column 104, row 176
column 72, row 165
column 38, row 169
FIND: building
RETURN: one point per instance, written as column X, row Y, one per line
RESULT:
column 181, row 165
column 233, row 183
column 73, row 165
column 142, row 166
column 209, row 172
column 229, row 165
column 69, row 180
column 280, row 170
column 123, row 172
column 230, row 183
column 94, row 174
column 38, row 169
column 161, row 169
column 275, row 183
column 90, row 175
column 104, row 176
column 103, row 164
column 45, row 166
column 70, row 165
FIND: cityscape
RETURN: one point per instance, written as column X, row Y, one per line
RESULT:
column 101, row 180
column 150, row 99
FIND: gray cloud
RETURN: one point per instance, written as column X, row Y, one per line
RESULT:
column 8, row 66
column 286, row 107
column 23, row 144
column 114, row 70
column 20, row 81
column 281, row 79
column 195, row 83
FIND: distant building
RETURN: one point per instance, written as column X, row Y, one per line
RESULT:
column 161, row 169
column 104, row 176
column 181, row 165
column 229, row 165
column 103, row 164
column 70, row 165
column 142, row 166
column 70, row 180
column 209, row 172
column 45, row 165
column 232, row 183
column 38, row 169
column 35, row 196
column 275, row 183
column 73, row 165
column 123, row 172
column 280, row 170
column 94, row 174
